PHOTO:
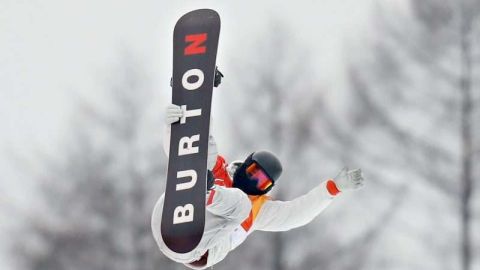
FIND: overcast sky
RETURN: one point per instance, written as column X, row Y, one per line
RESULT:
column 53, row 50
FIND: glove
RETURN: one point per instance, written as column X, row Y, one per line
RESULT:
column 349, row 179
column 173, row 114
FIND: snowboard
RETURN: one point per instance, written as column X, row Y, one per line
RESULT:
column 195, row 43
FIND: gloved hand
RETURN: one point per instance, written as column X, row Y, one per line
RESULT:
column 173, row 114
column 349, row 179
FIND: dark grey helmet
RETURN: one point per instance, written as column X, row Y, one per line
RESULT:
column 268, row 163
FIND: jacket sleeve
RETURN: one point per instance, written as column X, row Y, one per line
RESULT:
column 212, row 146
column 286, row 215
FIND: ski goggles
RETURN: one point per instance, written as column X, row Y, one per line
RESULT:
column 256, row 173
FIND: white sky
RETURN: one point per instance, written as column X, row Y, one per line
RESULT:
column 52, row 50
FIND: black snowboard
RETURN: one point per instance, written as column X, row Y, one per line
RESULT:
column 195, row 42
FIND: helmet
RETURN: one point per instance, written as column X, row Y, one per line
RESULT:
column 258, row 173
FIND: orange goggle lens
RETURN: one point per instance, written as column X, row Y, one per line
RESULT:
column 255, row 173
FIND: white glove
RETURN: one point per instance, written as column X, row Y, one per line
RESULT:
column 173, row 114
column 349, row 179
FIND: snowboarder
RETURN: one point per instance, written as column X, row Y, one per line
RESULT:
column 238, row 204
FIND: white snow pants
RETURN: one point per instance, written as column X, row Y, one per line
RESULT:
column 229, row 208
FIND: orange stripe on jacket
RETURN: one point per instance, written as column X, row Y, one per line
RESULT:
column 257, row 203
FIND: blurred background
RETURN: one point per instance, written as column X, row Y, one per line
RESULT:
column 388, row 86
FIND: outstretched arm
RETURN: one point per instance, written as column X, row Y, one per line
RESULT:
column 286, row 215
column 173, row 114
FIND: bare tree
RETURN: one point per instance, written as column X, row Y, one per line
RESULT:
column 417, row 92
column 97, row 195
